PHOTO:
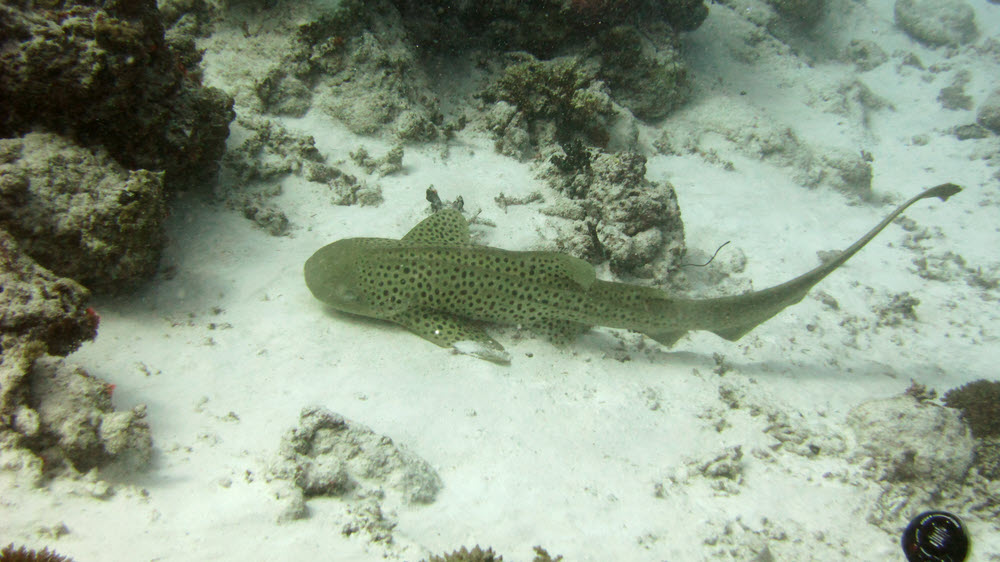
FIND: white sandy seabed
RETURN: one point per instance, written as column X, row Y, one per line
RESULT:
column 611, row 448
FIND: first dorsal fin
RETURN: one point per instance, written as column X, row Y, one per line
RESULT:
column 446, row 227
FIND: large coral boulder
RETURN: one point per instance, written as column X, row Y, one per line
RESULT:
column 103, row 73
column 80, row 214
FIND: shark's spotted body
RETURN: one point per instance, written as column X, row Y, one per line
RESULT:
column 438, row 285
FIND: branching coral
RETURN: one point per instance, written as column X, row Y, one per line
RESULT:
column 562, row 91
column 464, row 555
column 479, row 555
column 23, row 554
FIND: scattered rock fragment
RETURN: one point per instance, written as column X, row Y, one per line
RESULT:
column 865, row 54
column 263, row 214
column 477, row 554
column 937, row 22
column 268, row 150
column 390, row 163
column 988, row 113
column 900, row 309
column 55, row 419
column 953, row 96
column 348, row 190
column 284, row 94
column 327, row 455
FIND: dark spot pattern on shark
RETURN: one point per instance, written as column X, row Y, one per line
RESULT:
column 440, row 286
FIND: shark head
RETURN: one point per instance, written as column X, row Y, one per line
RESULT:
column 331, row 274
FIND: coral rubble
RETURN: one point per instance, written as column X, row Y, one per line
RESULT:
column 55, row 419
column 327, row 455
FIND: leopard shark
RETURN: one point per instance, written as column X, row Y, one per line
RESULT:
column 439, row 285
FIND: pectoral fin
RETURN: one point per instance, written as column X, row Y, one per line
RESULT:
column 445, row 330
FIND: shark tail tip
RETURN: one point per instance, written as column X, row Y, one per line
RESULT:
column 943, row 191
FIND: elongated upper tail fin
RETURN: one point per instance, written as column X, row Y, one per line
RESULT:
column 943, row 191
column 734, row 316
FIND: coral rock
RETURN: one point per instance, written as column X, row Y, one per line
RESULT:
column 79, row 213
column 937, row 22
column 40, row 306
column 105, row 75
